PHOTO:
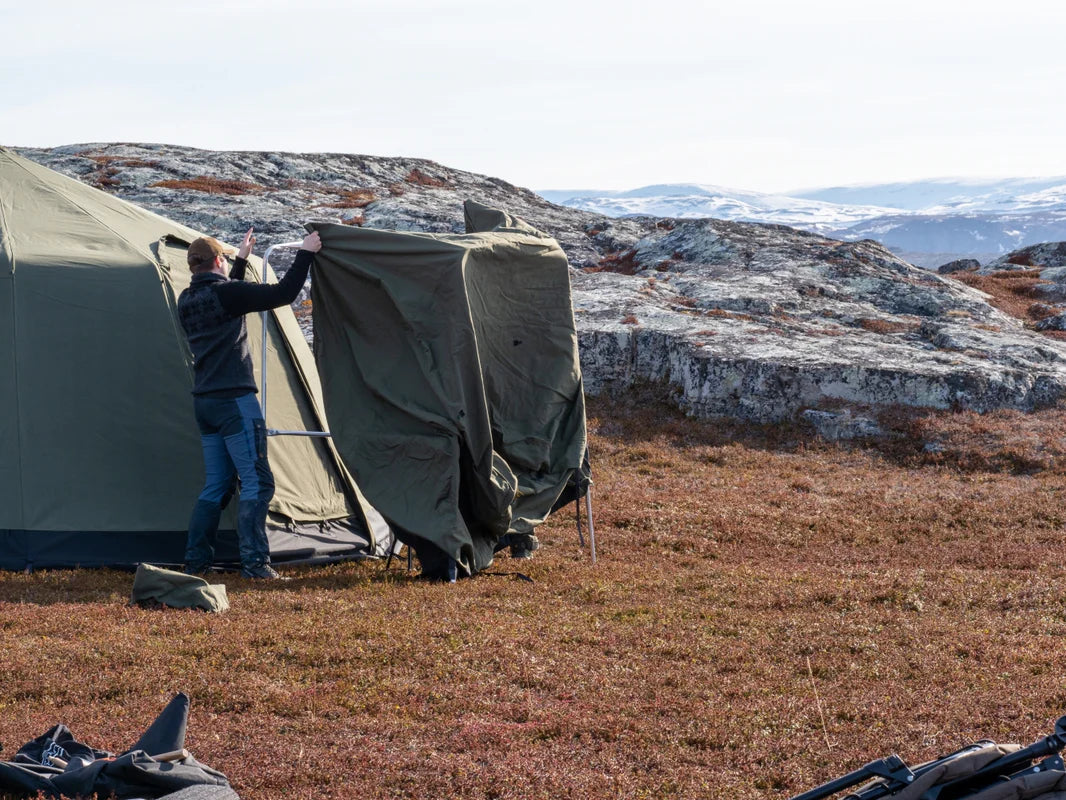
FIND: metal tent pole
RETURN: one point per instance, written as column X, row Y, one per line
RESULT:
column 263, row 369
column 592, row 529
column 588, row 512
column 577, row 511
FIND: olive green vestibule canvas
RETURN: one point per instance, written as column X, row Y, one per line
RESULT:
column 100, row 458
column 450, row 373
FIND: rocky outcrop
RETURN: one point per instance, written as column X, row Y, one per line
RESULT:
column 1037, row 256
column 1046, row 264
column 764, row 322
column 222, row 193
column 1052, row 323
column 959, row 265
column 760, row 322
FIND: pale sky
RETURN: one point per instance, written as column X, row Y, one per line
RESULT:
column 559, row 94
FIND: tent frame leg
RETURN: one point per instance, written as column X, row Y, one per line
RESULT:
column 592, row 529
column 577, row 513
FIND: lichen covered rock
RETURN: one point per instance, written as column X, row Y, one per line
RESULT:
column 760, row 322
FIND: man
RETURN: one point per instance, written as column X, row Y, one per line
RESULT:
column 232, row 429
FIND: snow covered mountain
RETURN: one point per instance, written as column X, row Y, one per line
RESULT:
column 928, row 222
column 945, row 195
column 694, row 201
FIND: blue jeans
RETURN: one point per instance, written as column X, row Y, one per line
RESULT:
column 234, row 441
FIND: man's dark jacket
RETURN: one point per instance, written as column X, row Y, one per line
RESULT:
column 212, row 313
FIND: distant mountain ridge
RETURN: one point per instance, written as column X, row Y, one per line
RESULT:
column 941, row 194
column 927, row 222
column 694, row 201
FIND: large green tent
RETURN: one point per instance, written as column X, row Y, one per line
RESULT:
column 100, row 459
column 450, row 373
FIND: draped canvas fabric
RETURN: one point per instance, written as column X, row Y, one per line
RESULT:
column 450, row 373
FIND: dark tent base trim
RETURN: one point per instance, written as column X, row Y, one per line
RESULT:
column 22, row 550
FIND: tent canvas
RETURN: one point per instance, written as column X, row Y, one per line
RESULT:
column 100, row 458
column 450, row 373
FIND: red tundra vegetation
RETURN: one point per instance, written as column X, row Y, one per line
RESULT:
column 876, row 325
column 420, row 178
column 624, row 262
column 351, row 198
column 745, row 575
column 1011, row 290
column 205, row 183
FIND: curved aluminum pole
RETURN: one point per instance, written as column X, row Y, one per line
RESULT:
column 263, row 368
column 263, row 318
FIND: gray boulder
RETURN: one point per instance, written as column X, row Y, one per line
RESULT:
column 223, row 192
column 762, row 322
column 959, row 265
column 1036, row 256
column 1055, row 323
column 1054, row 293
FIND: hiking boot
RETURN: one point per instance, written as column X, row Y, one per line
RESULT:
column 263, row 572
column 203, row 530
column 523, row 545
column 200, row 570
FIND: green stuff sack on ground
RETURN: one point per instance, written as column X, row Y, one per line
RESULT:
column 154, row 587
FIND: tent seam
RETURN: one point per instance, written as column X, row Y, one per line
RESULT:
column 15, row 364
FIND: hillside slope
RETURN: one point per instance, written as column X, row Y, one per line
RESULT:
column 758, row 322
